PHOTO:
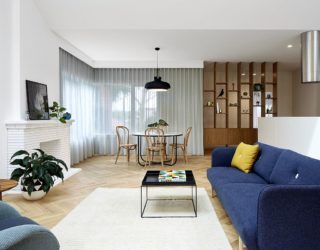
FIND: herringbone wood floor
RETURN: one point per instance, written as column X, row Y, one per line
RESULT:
column 102, row 172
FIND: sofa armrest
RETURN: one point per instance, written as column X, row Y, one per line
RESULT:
column 289, row 217
column 28, row 237
column 6, row 211
column 222, row 156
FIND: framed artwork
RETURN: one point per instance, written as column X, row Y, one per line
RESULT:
column 37, row 98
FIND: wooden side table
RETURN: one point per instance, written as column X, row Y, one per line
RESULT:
column 6, row 185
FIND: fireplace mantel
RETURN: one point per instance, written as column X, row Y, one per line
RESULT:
column 36, row 124
column 52, row 136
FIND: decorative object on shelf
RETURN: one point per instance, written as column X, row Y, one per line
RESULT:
column 218, row 108
column 221, row 93
column 58, row 112
column 268, row 95
column 233, row 104
column 245, row 93
column 37, row 172
column 257, row 87
column 37, row 98
column 209, row 104
column 257, row 103
column 157, row 84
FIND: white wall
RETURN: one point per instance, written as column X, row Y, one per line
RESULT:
column 300, row 134
column 29, row 51
column 9, row 69
column 306, row 97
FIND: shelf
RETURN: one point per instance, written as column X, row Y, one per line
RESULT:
column 221, row 98
column 221, row 83
column 272, row 98
column 233, row 91
column 245, row 113
column 245, row 83
column 257, row 105
column 206, row 106
column 233, row 106
column 271, row 113
column 270, row 83
column 221, row 113
column 209, row 91
column 245, row 98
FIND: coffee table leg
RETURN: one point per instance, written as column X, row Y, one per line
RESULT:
column 143, row 206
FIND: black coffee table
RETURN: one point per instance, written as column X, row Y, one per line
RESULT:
column 151, row 180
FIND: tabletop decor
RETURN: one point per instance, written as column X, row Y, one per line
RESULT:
column 58, row 112
column 160, row 124
column 37, row 172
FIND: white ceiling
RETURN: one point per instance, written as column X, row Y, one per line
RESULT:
column 125, row 32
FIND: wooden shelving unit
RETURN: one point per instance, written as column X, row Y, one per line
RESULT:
column 232, row 117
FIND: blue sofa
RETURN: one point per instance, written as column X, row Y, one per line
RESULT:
column 20, row 233
column 276, row 205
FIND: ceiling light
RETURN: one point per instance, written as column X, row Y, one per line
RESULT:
column 157, row 84
column 290, row 46
column 254, row 74
column 243, row 74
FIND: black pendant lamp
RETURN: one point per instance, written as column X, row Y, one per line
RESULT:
column 157, row 84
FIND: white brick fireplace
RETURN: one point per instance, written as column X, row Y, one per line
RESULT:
column 51, row 136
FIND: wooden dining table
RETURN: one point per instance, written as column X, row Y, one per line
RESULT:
column 169, row 162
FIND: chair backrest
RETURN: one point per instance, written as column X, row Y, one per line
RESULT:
column 122, row 135
column 154, row 136
column 186, row 136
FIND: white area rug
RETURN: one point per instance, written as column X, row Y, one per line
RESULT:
column 110, row 219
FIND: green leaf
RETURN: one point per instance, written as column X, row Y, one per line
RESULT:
column 62, row 163
column 16, row 174
column 40, row 151
column 62, row 109
column 55, row 104
column 53, row 115
column 17, row 162
column 62, row 120
column 20, row 152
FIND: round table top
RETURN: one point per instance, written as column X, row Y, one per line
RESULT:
column 7, row 184
column 169, row 134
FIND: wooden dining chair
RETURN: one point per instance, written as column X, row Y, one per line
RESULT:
column 155, row 143
column 123, row 142
column 183, row 146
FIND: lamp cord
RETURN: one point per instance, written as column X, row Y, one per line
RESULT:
column 157, row 63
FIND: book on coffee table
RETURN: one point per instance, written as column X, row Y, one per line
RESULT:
column 172, row 176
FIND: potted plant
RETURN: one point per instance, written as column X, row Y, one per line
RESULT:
column 57, row 111
column 37, row 172
column 160, row 124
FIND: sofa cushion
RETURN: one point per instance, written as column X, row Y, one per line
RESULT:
column 266, row 160
column 224, row 175
column 294, row 168
column 240, row 200
column 16, row 221
column 245, row 156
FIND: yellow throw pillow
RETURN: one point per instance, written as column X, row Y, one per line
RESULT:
column 245, row 156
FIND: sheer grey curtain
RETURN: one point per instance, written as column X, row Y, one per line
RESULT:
column 100, row 99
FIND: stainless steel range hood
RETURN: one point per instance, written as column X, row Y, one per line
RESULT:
column 310, row 56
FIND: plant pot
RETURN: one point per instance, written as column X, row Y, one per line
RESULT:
column 35, row 195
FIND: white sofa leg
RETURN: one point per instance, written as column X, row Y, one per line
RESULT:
column 240, row 244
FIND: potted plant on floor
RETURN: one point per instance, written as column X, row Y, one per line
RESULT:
column 37, row 172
